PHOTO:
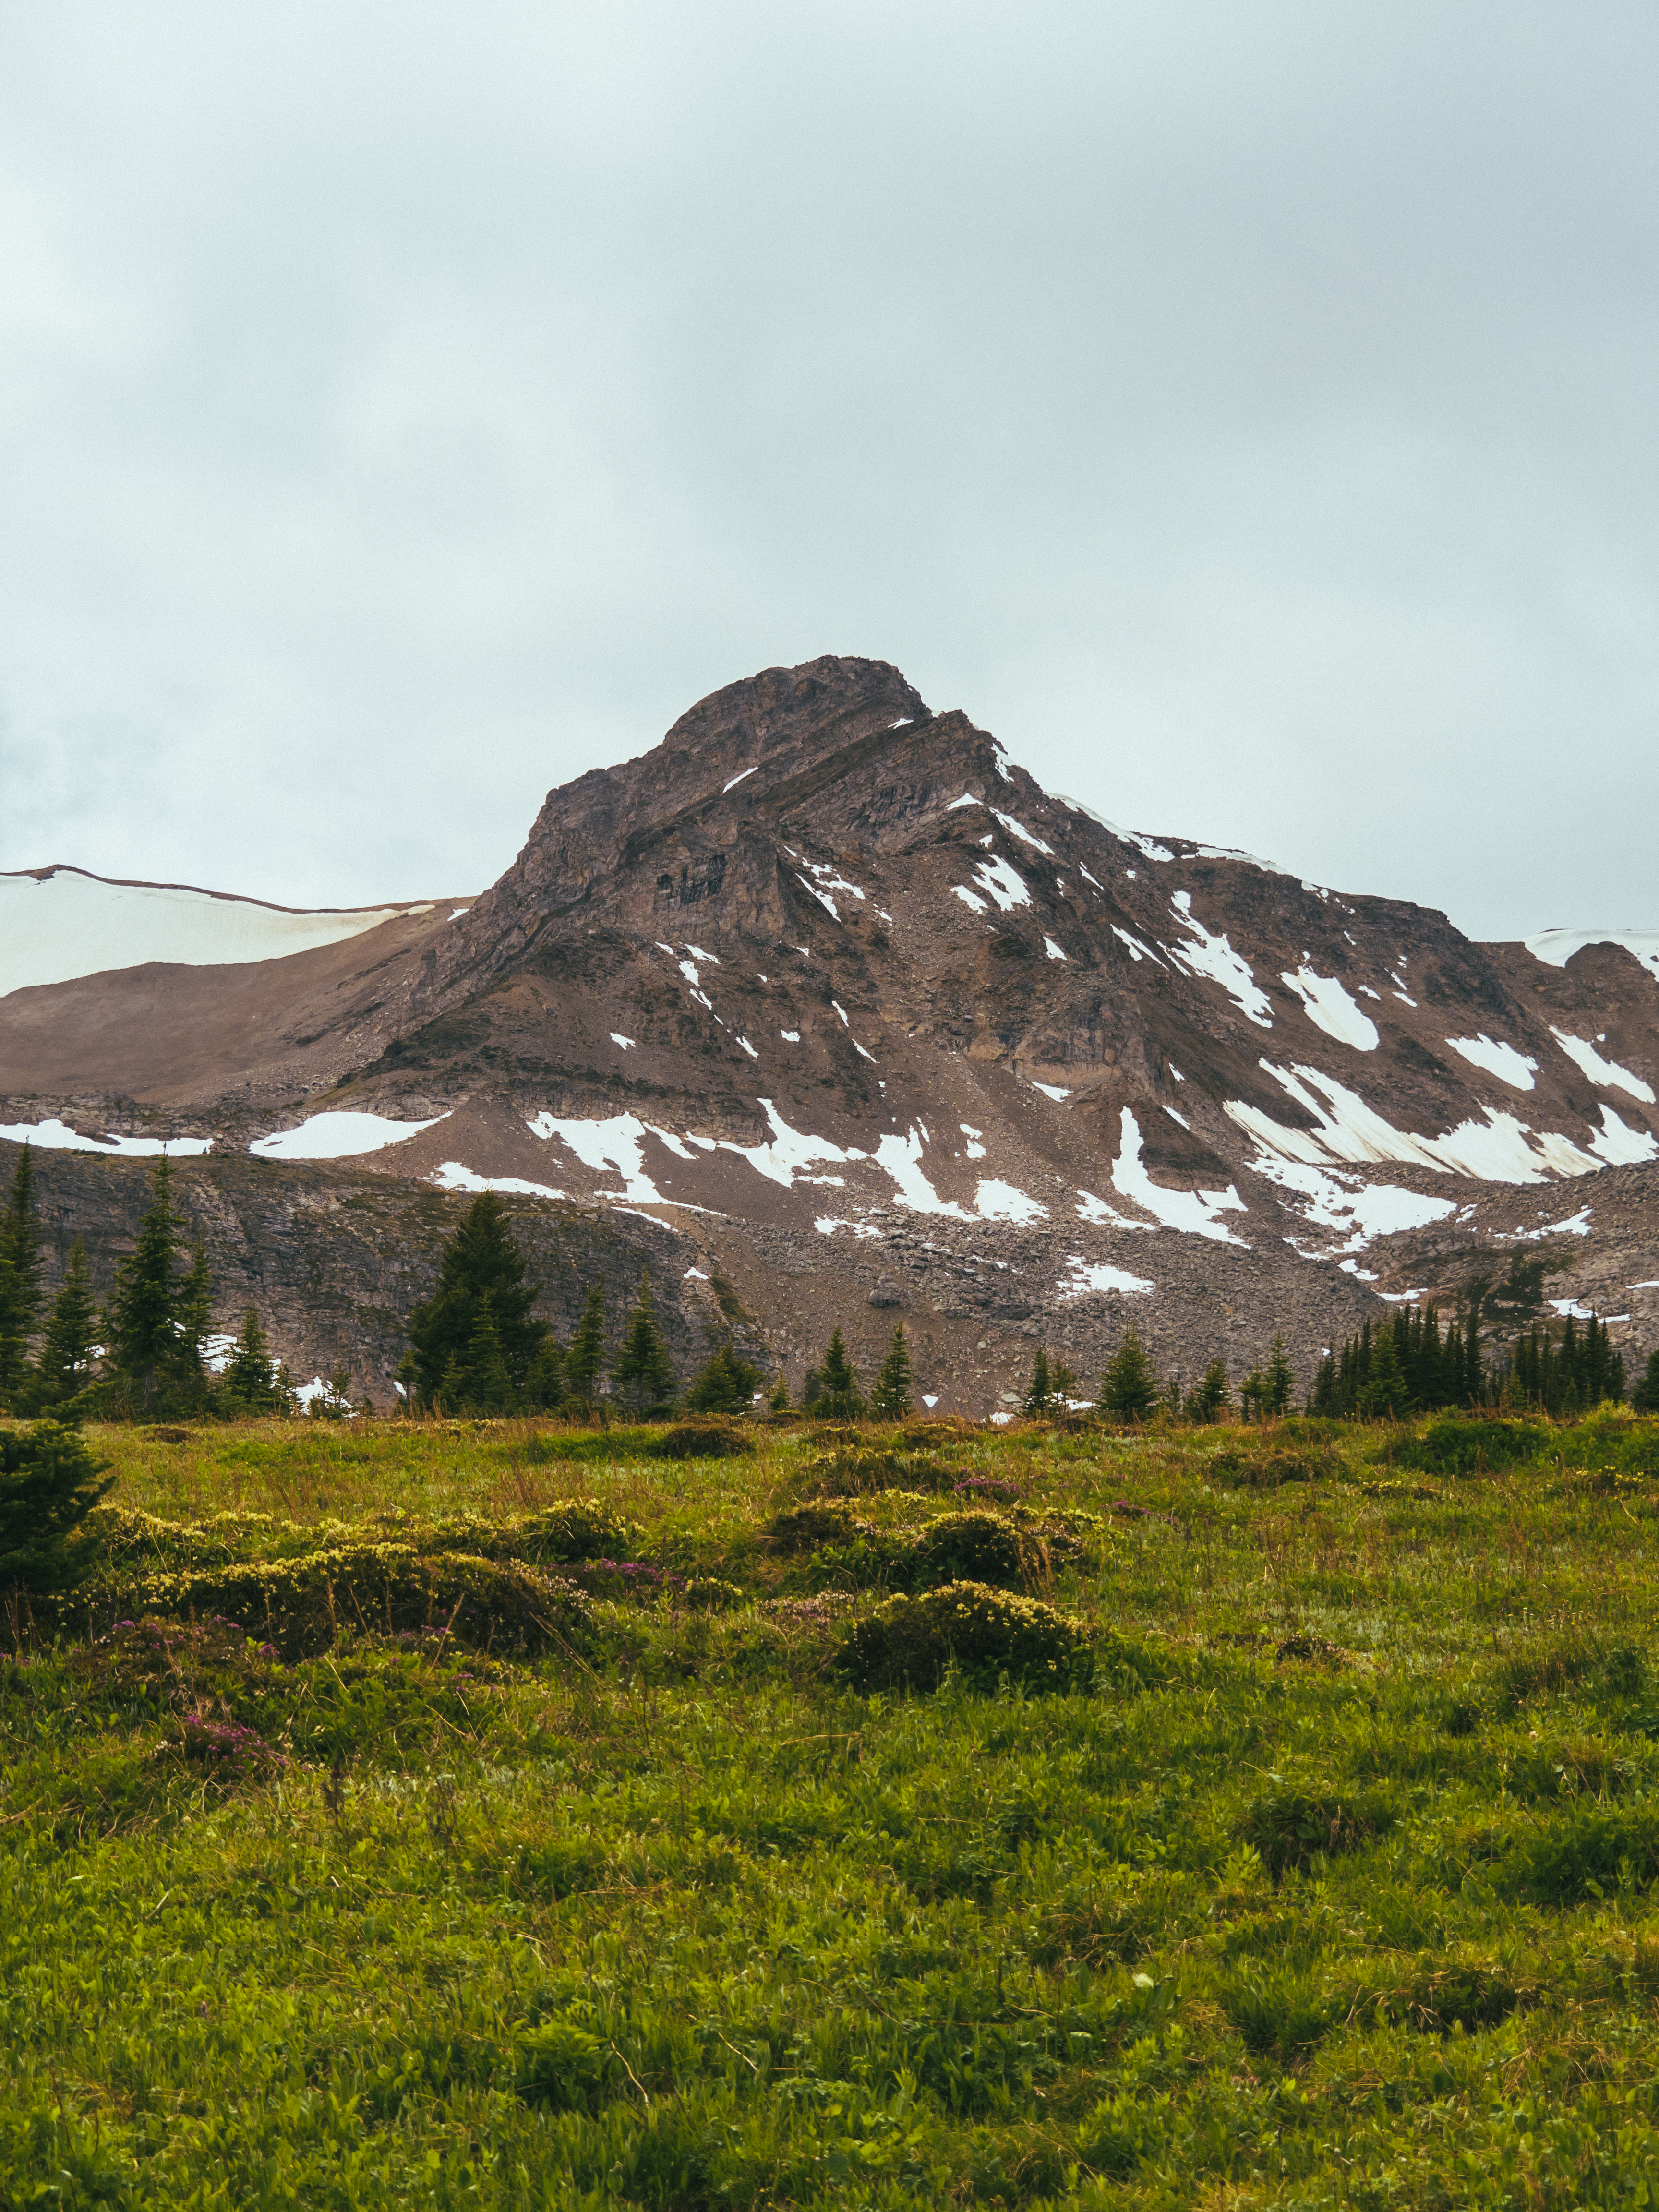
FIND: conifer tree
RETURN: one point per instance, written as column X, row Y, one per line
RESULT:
column 543, row 1385
column 644, row 1378
column 21, row 1272
column 1039, row 1389
column 889, row 1400
column 584, row 1361
column 1253, row 1395
column 144, row 1319
column 837, row 1397
column 49, row 1483
column 1386, row 1395
column 488, row 1387
column 67, row 1355
column 1646, row 1396
column 1281, row 1383
column 250, row 1379
column 727, row 1383
column 193, row 1317
column 779, row 1401
column 482, row 1257
column 1207, row 1400
column 1129, row 1388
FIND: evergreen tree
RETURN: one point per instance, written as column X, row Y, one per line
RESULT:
column 49, row 1483
column 1207, row 1399
column 70, row 1349
column 1253, row 1395
column 488, row 1387
column 1281, row 1383
column 1646, row 1396
column 727, row 1383
column 779, row 1401
column 1039, row 1389
column 1386, row 1395
column 21, row 1272
column 644, row 1378
column 1129, row 1388
column 584, row 1361
column 192, row 1315
column 890, row 1399
column 543, row 1385
column 250, row 1379
column 480, row 1259
column 143, row 1320
column 837, row 1396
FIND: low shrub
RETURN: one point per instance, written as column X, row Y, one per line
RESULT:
column 563, row 2068
column 1291, row 1827
column 304, row 1606
column 971, row 1547
column 1593, row 1851
column 861, row 1474
column 800, row 1529
column 711, row 1594
column 1464, row 1444
column 984, row 1634
column 1269, row 1469
column 700, row 1440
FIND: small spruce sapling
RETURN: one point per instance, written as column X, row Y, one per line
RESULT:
column 21, row 1273
column 890, row 1399
column 838, row 1397
column 1129, row 1388
column 49, row 1483
column 1039, row 1390
column 1646, row 1396
column 644, row 1378
column 250, row 1379
column 70, row 1349
column 727, row 1384
column 584, row 1361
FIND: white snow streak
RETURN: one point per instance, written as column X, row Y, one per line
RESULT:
column 627, row 1043
column 451, row 1176
column 1330, row 1007
column 1204, row 955
column 1089, row 1278
column 1498, row 1057
column 1051, row 949
column 1555, row 947
column 56, row 1136
column 1193, row 1212
column 1607, row 1072
column 736, row 779
column 338, row 1137
column 73, row 924
column 1500, row 1149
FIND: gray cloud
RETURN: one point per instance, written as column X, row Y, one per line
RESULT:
column 1246, row 413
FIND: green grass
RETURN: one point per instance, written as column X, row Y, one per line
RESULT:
column 1333, row 1883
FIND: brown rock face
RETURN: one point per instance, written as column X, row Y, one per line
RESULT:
column 878, row 1030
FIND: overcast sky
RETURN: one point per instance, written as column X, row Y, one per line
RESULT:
column 1247, row 411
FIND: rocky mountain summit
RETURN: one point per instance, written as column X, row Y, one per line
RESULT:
column 869, row 1027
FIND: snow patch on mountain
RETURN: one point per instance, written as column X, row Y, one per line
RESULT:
column 56, row 928
column 1329, row 1006
column 1091, row 1278
column 1348, row 1208
column 1555, row 947
column 1193, row 1212
column 56, row 1136
column 1498, row 1057
column 1214, row 957
column 451, row 1176
column 1607, row 1073
column 338, row 1136
column 1500, row 1149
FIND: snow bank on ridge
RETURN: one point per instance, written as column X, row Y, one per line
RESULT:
column 1555, row 947
column 1329, row 1006
column 56, row 1136
column 1193, row 1212
column 70, row 924
column 1607, row 1073
column 339, row 1136
column 1498, row 1149
column 1498, row 1057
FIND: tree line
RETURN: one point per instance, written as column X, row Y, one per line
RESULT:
column 477, row 1347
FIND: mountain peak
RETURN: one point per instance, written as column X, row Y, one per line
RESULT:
column 814, row 709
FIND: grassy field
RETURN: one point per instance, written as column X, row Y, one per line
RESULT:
column 1325, row 1877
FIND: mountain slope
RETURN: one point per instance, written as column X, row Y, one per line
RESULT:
column 884, row 1030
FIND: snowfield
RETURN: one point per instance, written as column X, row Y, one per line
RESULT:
column 70, row 924
column 55, row 1136
column 338, row 1137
